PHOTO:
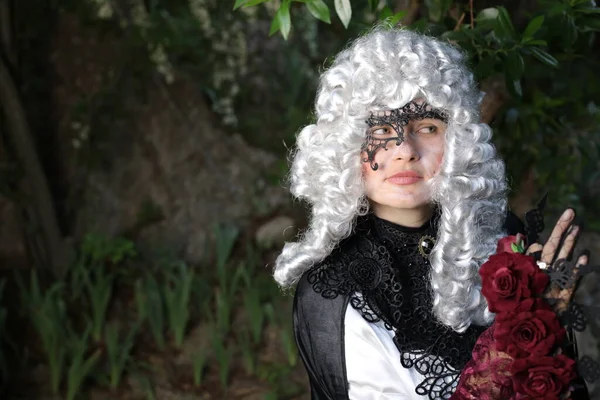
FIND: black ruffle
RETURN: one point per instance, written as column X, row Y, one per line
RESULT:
column 386, row 278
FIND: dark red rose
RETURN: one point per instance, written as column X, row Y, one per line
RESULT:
column 542, row 377
column 532, row 328
column 508, row 278
column 511, row 244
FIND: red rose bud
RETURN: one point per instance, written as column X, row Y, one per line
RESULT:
column 509, row 278
column 532, row 329
column 542, row 377
column 511, row 244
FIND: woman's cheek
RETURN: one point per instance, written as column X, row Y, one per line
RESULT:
column 438, row 162
column 432, row 162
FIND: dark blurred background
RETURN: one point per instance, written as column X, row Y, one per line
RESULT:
column 143, row 158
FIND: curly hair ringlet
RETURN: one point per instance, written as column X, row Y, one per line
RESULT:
column 385, row 69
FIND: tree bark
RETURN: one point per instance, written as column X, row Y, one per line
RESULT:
column 35, row 184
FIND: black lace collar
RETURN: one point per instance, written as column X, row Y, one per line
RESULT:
column 383, row 270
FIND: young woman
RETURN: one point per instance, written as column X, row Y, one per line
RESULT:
column 408, row 200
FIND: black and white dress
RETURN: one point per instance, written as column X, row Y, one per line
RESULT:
column 363, row 318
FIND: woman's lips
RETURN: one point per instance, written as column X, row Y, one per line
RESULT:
column 404, row 178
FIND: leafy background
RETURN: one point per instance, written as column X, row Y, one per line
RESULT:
column 109, row 295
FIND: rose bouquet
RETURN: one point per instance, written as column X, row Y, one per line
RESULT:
column 521, row 355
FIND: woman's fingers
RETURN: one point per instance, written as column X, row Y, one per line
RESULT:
column 569, row 243
column 582, row 260
column 535, row 247
column 554, row 241
column 564, row 296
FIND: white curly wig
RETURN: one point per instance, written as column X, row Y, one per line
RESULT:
column 385, row 69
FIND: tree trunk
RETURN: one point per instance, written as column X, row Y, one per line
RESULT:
column 48, row 239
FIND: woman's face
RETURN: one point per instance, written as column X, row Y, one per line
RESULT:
column 403, row 168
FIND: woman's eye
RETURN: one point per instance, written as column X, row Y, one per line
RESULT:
column 428, row 130
column 381, row 131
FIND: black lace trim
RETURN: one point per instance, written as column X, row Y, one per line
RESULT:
column 386, row 278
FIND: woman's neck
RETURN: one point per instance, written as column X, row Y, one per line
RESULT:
column 410, row 218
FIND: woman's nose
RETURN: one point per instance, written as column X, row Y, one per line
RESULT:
column 406, row 150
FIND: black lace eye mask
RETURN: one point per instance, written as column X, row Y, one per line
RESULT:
column 397, row 119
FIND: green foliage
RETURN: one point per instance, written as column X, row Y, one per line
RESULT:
column 224, row 356
column 151, row 306
column 199, row 360
column 80, row 364
column 264, row 86
column 160, row 301
column 47, row 313
column 547, row 62
column 99, row 287
column 282, row 21
column 177, row 294
column 118, row 351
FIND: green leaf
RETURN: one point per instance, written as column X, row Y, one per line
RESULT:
column 456, row 36
column 239, row 3
column 591, row 24
column 373, row 5
column 533, row 26
column 487, row 18
column 282, row 20
column 513, row 86
column 394, row 19
column 485, row 66
column 487, row 14
column 505, row 22
column 251, row 3
column 437, row 9
column 544, row 57
column 588, row 10
column 275, row 26
column 557, row 9
column 285, row 21
column 344, row 11
column 319, row 10
column 385, row 13
column 535, row 42
column 570, row 31
column 514, row 64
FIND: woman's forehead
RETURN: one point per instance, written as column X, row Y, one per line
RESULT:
column 417, row 109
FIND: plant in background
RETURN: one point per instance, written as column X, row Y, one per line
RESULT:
column 224, row 355
column 100, row 249
column 48, row 315
column 151, row 304
column 141, row 301
column 118, row 351
column 223, row 307
column 289, row 345
column 146, row 386
column 247, row 349
column 199, row 360
column 90, row 274
column 81, row 362
column 254, row 312
column 99, row 287
column 224, row 295
column 177, row 293
column 225, row 237
column 517, row 55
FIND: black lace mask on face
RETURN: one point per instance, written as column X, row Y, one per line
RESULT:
column 395, row 119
